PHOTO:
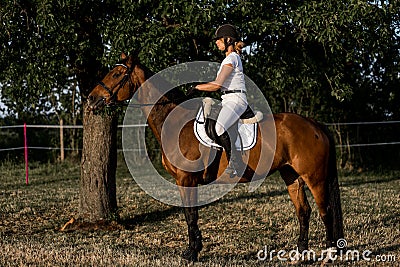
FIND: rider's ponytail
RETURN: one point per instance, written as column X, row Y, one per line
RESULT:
column 239, row 46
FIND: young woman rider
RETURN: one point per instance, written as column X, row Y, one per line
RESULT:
column 230, row 80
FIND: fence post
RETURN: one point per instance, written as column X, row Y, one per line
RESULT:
column 26, row 156
column 61, row 140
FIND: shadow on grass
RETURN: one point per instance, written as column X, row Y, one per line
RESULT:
column 37, row 182
column 387, row 250
column 249, row 196
column 206, row 257
column 362, row 180
column 160, row 215
column 149, row 217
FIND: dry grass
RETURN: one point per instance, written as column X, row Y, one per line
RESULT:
column 234, row 229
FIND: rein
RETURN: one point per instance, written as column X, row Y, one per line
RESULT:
column 149, row 104
column 162, row 103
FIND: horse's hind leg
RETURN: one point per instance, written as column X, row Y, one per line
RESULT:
column 295, row 186
column 319, row 191
column 303, row 211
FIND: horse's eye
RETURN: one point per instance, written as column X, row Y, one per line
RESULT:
column 116, row 75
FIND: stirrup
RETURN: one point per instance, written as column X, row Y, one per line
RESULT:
column 231, row 171
column 236, row 167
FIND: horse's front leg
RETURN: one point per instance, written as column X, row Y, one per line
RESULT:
column 195, row 243
column 189, row 200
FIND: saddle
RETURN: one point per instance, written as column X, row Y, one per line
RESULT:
column 204, row 126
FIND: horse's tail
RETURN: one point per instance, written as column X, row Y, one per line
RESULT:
column 334, row 204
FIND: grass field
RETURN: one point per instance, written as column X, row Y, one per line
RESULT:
column 234, row 229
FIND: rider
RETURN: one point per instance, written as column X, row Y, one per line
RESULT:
column 230, row 80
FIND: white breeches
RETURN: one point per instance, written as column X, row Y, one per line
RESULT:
column 233, row 106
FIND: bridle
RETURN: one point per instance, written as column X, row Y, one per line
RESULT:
column 127, row 78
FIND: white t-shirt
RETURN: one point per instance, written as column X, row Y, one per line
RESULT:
column 235, row 81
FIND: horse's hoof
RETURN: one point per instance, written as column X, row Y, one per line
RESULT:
column 190, row 255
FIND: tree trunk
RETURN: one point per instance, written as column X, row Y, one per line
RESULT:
column 98, row 199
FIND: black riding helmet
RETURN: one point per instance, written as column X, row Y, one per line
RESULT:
column 227, row 31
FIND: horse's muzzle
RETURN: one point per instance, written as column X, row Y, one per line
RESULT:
column 95, row 103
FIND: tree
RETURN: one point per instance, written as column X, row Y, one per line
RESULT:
column 47, row 48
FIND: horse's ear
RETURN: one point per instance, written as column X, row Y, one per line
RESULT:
column 123, row 56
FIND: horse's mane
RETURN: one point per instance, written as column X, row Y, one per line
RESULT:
column 174, row 95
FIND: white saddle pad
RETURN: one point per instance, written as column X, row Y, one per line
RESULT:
column 247, row 134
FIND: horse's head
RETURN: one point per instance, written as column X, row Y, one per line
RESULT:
column 117, row 86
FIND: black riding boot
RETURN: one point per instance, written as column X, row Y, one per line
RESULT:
column 213, row 165
column 235, row 165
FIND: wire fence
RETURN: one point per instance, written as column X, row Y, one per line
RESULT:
column 145, row 125
column 343, row 145
column 53, row 127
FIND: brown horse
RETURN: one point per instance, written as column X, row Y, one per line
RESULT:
column 304, row 155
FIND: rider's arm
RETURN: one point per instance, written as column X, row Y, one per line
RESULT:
column 217, row 84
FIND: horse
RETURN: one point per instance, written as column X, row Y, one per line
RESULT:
column 304, row 156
